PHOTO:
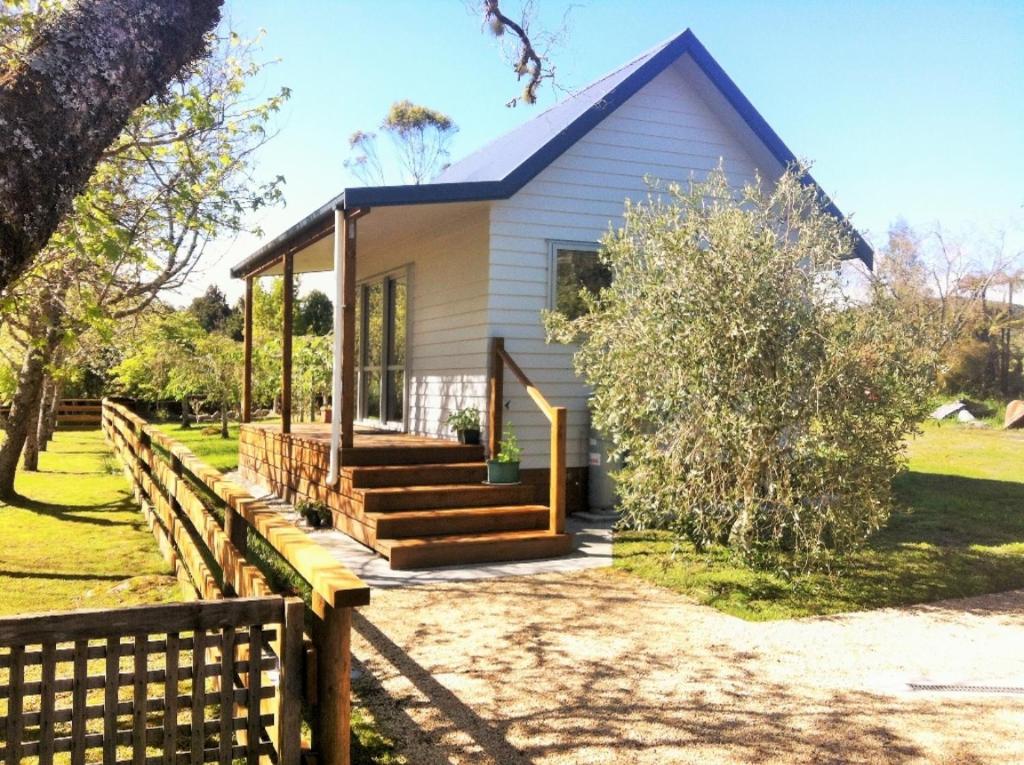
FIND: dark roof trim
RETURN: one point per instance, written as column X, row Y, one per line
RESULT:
column 300, row 234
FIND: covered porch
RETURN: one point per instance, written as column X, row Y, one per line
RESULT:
column 386, row 465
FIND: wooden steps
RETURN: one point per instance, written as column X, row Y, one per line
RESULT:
column 434, row 496
column 419, row 501
column 463, row 520
column 427, row 552
column 422, row 513
column 381, row 476
column 442, row 453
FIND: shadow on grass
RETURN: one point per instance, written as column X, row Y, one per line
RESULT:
column 73, row 513
column 952, row 537
column 61, row 575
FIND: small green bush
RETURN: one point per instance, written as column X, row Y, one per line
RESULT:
column 316, row 514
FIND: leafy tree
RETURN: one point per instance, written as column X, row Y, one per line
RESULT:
column 316, row 315
column 311, row 369
column 71, row 76
column 211, row 309
column 755, row 405
column 179, row 175
column 420, row 138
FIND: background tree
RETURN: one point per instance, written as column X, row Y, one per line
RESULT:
column 962, row 291
column 211, row 309
column 754, row 405
column 420, row 139
column 316, row 314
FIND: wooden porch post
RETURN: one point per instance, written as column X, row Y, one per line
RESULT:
column 286, row 345
column 495, row 396
column 347, row 410
column 247, row 350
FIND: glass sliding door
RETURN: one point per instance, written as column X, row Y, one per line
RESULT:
column 380, row 350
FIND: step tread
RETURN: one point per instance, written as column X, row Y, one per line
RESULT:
column 412, row 468
column 455, row 540
column 426, row 488
column 449, row 512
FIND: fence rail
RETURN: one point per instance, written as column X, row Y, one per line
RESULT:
column 210, row 557
column 71, row 411
column 178, row 683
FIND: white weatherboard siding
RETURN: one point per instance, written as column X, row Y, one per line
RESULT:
column 667, row 130
column 447, row 314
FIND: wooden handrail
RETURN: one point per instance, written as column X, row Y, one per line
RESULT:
column 556, row 415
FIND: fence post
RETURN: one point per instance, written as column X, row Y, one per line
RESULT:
column 289, row 689
column 332, row 635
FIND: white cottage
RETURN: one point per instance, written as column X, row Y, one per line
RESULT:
column 440, row 289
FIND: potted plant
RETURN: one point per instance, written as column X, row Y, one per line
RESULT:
column 316, row 514
column 504, row 467
column 466, row 423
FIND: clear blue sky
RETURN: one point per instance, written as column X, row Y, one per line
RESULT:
column 912, row 110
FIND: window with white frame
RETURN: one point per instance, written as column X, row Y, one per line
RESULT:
column 575, row 268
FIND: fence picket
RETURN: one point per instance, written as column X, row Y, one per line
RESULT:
column 112, row 671
column 78, row 701
column 47, row 701
column 15, row 683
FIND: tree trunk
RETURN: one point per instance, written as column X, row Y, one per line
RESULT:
column 52, row 412
column 45, row 404
column 66, row 100
column 186, row 420
column 30, row 458
column 224, row 420
column 26, row 398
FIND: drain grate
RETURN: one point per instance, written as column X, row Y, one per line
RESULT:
column 966, row 688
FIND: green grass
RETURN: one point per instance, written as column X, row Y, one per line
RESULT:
column 959, row 532
column 76, row 539
column 221, row 453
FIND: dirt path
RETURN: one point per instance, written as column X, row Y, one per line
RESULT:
column 599, row 667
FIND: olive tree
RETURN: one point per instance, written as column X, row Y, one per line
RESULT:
column 754, row 404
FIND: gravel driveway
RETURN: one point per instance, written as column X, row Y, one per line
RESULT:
column 600, row 667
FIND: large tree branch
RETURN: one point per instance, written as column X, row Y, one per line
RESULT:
column 66, row 102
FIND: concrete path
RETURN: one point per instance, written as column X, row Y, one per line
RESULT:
column 592, row 548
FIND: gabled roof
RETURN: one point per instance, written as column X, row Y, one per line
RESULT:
column 504, row 166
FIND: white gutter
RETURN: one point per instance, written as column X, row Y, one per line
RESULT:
column 339, row 297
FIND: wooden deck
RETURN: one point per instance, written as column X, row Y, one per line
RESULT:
column 419, row 501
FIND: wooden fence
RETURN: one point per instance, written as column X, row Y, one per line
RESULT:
column 154, row 685
column 77, row 412
column 210, row 558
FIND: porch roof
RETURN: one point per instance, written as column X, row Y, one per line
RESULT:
column 503, row 167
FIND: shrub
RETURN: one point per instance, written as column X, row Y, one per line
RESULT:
column 465, row 419
column 754, row 405
column 316, row 514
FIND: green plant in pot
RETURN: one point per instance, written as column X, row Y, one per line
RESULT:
column 504, row 468
column 466, row 423
column 316, row 514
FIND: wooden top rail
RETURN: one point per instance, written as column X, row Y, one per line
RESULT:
column 538, row 398
column 338, row 586
column 111, row 622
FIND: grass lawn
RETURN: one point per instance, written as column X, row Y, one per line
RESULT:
column 221, row 453
column 959, row 532
column 76, row 539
